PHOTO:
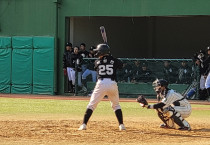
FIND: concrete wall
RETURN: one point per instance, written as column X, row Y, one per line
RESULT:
column 136, row 7
column 27, row 17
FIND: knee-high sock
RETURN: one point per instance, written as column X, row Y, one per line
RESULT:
column 84, row 82
column 87, row 116
column 208, row 91
column 119, row 116
column 69, row 85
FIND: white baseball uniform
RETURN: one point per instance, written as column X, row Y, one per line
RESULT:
column 184, row 107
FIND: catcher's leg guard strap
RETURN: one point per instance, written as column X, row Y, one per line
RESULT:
column 166, row 120
column 162, row 117
column 178, row 119
column 171, row 112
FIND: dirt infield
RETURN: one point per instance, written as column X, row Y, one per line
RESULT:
column 98, row 132
column 140, row 130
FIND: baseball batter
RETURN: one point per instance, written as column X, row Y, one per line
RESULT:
column 106, row 66
column 173, row 108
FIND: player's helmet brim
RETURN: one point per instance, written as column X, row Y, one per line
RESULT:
column 102, row 49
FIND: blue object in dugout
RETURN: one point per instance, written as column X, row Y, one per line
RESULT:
column 191, row 92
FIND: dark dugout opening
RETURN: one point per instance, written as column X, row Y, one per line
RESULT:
column 143, row 37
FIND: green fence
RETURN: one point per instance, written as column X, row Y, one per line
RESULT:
column 137, row 75
column 27, row 65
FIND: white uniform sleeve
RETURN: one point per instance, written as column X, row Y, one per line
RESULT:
column 170, row 98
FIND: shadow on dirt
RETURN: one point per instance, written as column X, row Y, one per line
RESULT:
column 201, row 130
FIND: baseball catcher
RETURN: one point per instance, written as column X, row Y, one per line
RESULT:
column 173, row 107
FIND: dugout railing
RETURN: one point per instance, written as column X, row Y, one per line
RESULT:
column 137, row 75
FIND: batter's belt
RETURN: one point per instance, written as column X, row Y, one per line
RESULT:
column 106, row 78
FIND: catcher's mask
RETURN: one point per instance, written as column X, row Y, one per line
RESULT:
column 102, row 49
column 158, row 84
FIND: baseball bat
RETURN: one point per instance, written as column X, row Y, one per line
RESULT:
column 103, row 34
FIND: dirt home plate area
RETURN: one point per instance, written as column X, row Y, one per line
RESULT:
column 101, row 130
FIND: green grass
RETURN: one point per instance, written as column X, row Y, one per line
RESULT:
column 40, row 106
column 14, row 106
column 74, row 107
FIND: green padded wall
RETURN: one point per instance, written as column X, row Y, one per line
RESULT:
column 140, row 88
column 5, row 42
column 43, row 65
column 21, row 89
column 5, row 64
column 22, row 65
column 20, row 42
column 180, row 88
column 5, row 89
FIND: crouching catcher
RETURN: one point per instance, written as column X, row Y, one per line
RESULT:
column 173, row 107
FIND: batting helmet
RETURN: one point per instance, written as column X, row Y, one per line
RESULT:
column 102, row 49
column 208, row 48
column 68, row 44
column 161, row 82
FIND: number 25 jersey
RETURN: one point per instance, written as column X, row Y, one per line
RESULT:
column 107, row 66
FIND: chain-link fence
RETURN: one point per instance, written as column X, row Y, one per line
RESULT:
column 137, row 75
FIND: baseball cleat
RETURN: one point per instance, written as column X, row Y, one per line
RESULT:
column 164, row 126
column 122, row 127
column 82, row 127
column 185, row 128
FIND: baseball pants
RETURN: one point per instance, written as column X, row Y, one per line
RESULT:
column 185, row 111
column 202, row 82
column 207, row 84
column 71, row 76
column 102, row 88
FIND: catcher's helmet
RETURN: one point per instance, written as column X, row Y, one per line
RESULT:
column 102, row 49
column 158, row 84
column 161, row 82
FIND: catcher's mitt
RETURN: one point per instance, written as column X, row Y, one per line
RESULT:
column 142, row 100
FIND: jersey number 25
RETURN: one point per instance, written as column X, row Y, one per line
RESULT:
column 105, row 69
